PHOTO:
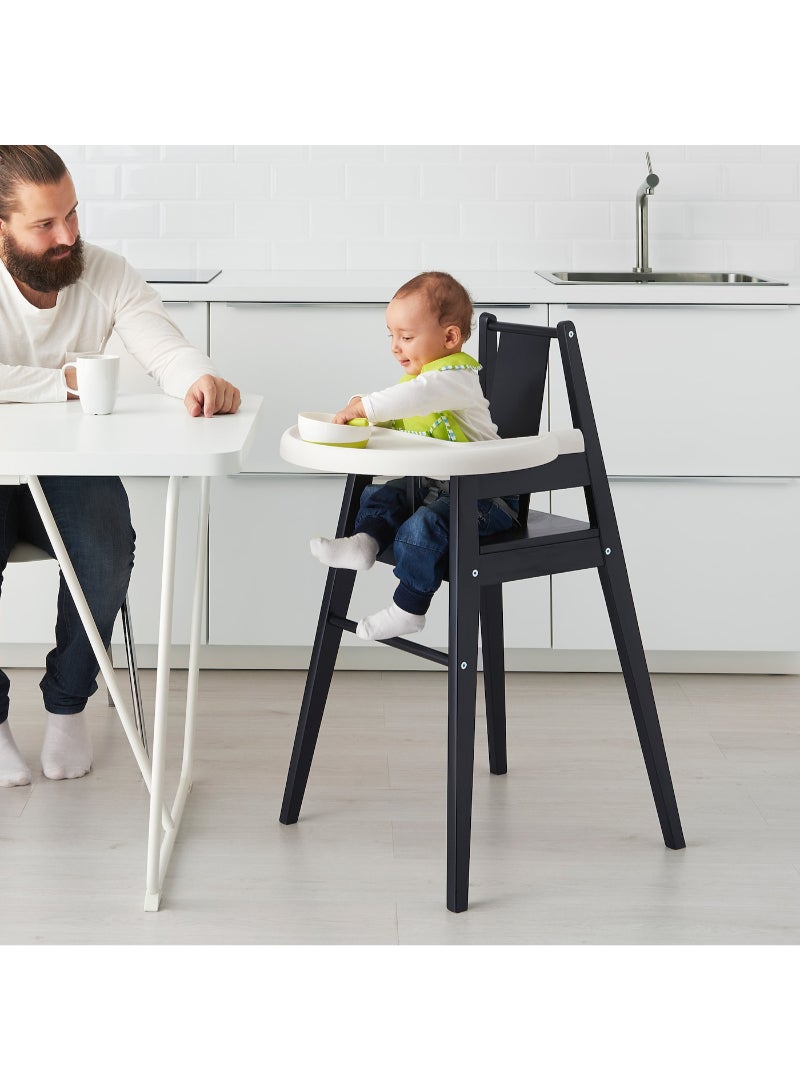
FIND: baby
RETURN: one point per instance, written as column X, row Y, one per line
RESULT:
column 429, row 319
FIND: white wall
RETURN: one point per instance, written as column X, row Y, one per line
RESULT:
column 734, row 208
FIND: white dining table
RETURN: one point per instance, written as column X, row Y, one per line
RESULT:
column 147, row 435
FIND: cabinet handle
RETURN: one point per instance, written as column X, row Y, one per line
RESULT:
column 675, row 306
column 303, row 303
column 700, row 479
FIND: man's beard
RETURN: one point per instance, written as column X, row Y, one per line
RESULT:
column 41, row 271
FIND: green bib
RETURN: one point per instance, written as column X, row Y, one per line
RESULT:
column 439, row 425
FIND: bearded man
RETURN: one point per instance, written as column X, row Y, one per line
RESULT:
column 59, row 298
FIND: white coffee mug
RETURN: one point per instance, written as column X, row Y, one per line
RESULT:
column 97, row 380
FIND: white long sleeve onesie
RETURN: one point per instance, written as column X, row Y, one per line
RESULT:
column 457, row 391
column 110, row 296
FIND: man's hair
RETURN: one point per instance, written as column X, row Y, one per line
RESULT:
column 449, row 300
column 26, row 164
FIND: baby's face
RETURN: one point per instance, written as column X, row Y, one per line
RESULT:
column 415, row 333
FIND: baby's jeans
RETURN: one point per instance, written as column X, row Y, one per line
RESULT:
column 420, row 540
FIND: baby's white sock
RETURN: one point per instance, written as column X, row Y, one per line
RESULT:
column 389, row 623
column 67, row 749
column 357, row 553
column 13, row 770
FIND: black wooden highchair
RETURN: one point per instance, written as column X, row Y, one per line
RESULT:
column 515, row 360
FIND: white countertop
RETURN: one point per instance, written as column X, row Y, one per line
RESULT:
column 490, row 287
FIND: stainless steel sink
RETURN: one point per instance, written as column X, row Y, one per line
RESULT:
column 654, row 278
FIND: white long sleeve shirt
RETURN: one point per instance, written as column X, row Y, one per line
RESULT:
column 455, row 391
column 110, row 296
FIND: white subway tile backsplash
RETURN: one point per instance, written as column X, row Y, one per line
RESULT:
column 123, row 219
column 571, row 153
column 421, row 219
column 572, row 219
column 301, row 254
column 95, row 181
column 270, row 220
column 513, row 206
column 341, row 219
column 723, row 153
column 783, row 219
column 203, row 219
column 270, row 153
column 496, row 153
column 659, row 154
column 464, row 181
column 688, row 255
column 602, row 254
column 311, row 180
column 421, row 153
column 162, row 253
column 667, row 219
column 685, row 182
column 496, row 220
column 384, row 255
column 761, row 181
column 605, row 181
column 446, row 255
column 198, row 153
column 121, row 153
column 762, row 257
column 371, row 180
column 160, row 181
column 533, row 181
column 234, row 181
column 723, row 219
column 538, row 255
column 233, row 254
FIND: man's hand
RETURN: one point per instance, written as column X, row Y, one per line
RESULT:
column 71, row 379
column 211, row 395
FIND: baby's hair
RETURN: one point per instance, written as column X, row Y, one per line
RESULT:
column 449, row 300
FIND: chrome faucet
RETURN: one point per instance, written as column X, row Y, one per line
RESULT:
column 644, row 191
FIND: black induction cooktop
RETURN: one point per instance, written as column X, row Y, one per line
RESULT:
column 179, row 276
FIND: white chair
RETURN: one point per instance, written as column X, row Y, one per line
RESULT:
column 24, row 552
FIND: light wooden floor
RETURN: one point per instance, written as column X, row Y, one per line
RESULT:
column 566, row 849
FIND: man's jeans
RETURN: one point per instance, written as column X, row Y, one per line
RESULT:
column 421, row 541
column 93, row 517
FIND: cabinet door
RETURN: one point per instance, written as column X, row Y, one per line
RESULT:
column 266, row 587
column 310, row 357
column 148, row 498
column 676, row 390
column 712, row 565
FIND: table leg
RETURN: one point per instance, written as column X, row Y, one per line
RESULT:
column 159, row 851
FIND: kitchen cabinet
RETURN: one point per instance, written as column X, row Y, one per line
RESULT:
column 695, row 410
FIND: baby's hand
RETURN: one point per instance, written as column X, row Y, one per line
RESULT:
column 352, row 411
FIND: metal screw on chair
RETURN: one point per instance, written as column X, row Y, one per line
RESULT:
column 463, row 665
column 474, row 573
column 571, row 333
column 608, row 552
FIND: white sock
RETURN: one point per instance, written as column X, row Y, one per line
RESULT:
column 389, row 623
column 357, row 552
column 67, row 749
column 13, row 770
